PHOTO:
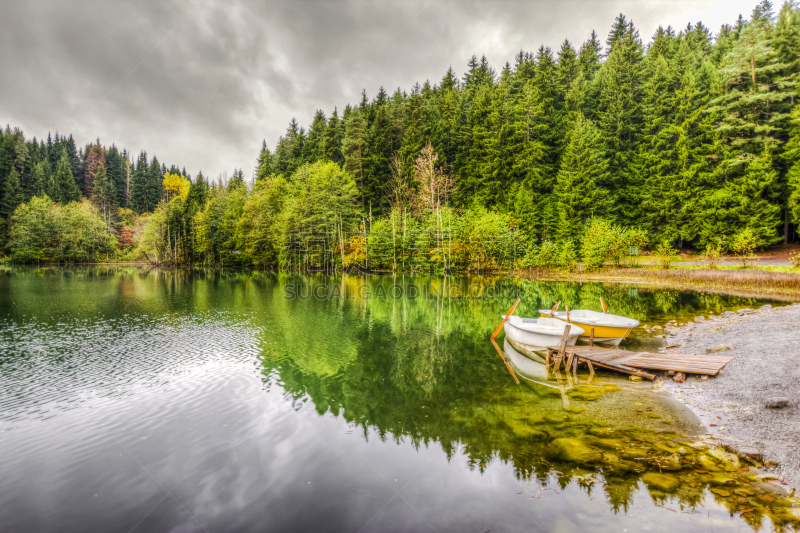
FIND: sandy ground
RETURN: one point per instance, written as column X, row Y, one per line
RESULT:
column 765, row 344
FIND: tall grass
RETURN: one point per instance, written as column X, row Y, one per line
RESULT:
column 728, row 279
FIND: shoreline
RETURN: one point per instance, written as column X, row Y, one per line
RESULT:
column 747, row 283
column 732, row 405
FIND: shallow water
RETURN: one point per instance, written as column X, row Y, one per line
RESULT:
column 137, row 400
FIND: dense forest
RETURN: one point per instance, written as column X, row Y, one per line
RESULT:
column 690, row 140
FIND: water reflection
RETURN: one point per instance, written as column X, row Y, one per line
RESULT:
column 396, row 369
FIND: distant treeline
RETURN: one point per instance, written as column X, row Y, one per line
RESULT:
column 690, row 139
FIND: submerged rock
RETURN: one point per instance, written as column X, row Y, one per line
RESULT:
column 573, row 451
column 699, row 319
column 663, row 482
column 679, row 377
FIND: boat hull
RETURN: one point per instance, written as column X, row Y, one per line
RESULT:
column 533, row 341
column 602, row 333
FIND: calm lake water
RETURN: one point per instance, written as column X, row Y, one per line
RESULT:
column 143, row 400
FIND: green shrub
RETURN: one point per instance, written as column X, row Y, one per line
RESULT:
column 713, row 254
column 603, row 241
column 666, row 254
column 743, row 244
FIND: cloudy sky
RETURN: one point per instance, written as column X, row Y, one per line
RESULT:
column 200, row 83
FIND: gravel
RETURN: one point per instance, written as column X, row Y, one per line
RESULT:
column 765, row 344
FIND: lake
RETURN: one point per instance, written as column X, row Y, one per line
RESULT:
column 134, row 399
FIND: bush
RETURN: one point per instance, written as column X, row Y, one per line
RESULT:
column 713, row 254
column 743, row 244
column 604, row 241
column 551, row 256
column 666, row 255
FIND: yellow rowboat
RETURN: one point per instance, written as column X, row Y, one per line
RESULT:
column 608, row 328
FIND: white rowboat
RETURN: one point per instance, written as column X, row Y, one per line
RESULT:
column 608, row 328
column 536, row 334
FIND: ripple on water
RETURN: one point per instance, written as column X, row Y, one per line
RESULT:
column 46, row 368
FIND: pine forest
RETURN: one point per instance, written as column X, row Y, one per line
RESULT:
column 690, row 140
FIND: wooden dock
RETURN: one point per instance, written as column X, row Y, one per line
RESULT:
column 631, row 362
column 634, row 362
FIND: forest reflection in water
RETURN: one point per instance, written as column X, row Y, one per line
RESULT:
column 398, row 359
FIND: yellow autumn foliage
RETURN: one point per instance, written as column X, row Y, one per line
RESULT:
column 175, row 185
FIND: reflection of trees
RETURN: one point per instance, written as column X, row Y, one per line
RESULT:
column 419, row 368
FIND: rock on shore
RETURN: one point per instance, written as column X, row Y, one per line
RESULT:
column 745, row 401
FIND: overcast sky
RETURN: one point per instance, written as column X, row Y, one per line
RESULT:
column 201, row 83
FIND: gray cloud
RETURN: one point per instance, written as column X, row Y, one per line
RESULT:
column 233, row 73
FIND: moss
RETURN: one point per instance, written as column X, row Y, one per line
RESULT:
column 573, row 451
column 662, row 482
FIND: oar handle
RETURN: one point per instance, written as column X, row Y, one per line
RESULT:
column 554, row 309
column 510, row 312
column 605, row 308
column 565, row 305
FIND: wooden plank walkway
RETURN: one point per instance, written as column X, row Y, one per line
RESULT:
column 692, row 364
column 596, row 355
column 633, row 362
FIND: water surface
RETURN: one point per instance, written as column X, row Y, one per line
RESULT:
column 142, row 400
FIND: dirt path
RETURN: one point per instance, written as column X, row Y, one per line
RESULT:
column 765, row 344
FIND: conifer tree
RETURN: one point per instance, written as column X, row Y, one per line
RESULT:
column 333, row 138
column 94, row 158
column 792, row 157
column 264, row 166
column 619, row 84
column 116, row 173
column 354, row 148
column 314, row 147
column 67, row 188
column 37, row 180
column 154, row 180
column 750, row 106
column 742, row 203
column 104, row 195
column 579, row 190
column 198, row 195
column 139, row 188
column 12, row 194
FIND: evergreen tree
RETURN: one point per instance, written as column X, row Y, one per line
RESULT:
column 154, row 181
column 792, row 157
column 619, row 85
column 333, row 138
column 264, row 166
column 67, row 188
column 314, row 147
column 198, row 195
column 12, row 194
column 104, row 196
column 579, row 191
column 116, row 174
column 354, row 148
column 94, row 157
column 139, row 188
column 742, row 203
column 37, row 181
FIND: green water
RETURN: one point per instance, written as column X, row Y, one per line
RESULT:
column 140, row 399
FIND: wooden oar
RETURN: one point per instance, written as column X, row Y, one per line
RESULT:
column 554, row 309
column 605, row 309
column 508, row 365
column 510, row 311
column 565, row 305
